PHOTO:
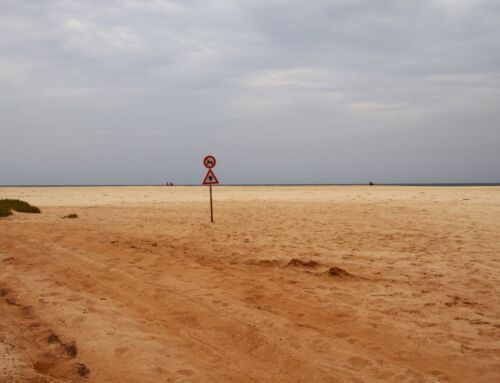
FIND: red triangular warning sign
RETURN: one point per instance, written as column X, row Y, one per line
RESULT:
column 210, row 178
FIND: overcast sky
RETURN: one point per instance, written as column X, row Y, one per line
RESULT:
column 280, row 91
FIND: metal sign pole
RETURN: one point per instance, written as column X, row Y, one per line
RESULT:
column 211, row 206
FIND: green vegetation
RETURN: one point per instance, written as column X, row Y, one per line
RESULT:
column 7, row 205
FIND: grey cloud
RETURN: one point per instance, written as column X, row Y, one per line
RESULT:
column 138, row 91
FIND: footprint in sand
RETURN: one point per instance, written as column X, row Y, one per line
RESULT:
column 121, row 351
column 353, row 340
column 440, row 375
column 161, row 371
column 358, row 363
column 341, row 335
column 185, row 372
column 78, row 321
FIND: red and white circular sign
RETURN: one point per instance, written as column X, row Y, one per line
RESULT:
column 209, row 162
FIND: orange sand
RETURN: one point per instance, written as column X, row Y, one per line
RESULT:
column 142, row 288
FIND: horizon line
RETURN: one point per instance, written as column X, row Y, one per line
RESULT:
column 270, row 184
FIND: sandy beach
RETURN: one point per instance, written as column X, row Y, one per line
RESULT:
column 290, row 284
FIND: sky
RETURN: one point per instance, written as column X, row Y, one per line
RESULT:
column 280, row 91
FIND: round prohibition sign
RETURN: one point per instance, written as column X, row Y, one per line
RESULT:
column 209, row 162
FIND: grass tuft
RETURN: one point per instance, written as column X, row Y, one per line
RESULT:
column 7, row 205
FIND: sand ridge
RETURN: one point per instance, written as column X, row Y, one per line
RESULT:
column 146, row 289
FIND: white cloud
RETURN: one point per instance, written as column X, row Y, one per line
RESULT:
column 305, row 78
column 103, row 41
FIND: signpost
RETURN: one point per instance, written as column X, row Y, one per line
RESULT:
column 210, row 179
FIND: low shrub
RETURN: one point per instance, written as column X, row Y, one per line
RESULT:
column 7, row 205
